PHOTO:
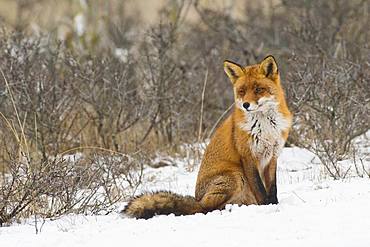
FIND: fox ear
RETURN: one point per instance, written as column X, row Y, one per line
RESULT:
column 268, row 67
column 233, row 70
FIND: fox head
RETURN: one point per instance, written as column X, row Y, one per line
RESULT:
column 257, row 87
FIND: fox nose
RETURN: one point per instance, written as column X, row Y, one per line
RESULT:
column 246, row 105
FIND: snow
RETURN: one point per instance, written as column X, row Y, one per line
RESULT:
column 314, row 210
column 121, row 54
column 80, row 24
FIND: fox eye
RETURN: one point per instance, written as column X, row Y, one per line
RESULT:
column 241, row 91
column 259, row 90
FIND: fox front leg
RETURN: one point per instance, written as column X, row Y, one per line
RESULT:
column 270, row 182
column 255, row 183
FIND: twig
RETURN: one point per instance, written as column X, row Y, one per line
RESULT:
column 21, row 126
column 93, row 147
column 299, row 197
column 219, row 119
column 202, row 106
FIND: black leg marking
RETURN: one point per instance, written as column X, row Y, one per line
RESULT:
column 272, row 196
column 261, row 188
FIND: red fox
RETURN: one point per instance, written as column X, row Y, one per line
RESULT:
column 239, row 164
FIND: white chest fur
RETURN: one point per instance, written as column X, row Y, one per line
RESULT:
column 266, row 128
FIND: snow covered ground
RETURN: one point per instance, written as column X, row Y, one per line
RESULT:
column 314, row 210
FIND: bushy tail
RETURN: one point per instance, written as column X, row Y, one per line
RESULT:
column 148, row 205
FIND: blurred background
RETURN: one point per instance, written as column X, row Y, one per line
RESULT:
column 136, row 78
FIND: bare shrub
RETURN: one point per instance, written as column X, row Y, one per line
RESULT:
column 332, row 107
column 166, row 84
column 41, row 111
column 327, row 77
column 42, row 98
column 336, row 29
column 56, row 187
column 109, row 97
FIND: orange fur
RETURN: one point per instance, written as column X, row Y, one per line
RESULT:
column 239, row 164
column 229, row 157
